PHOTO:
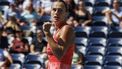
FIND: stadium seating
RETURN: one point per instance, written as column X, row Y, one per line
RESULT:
column 82, row 31
column 97, row 41
column 101, row 31
column 18, row 58
column 15, row 66
column 31, row 66
column 113, row 60
column 114, row 51
column 100, row 43
column 112, row 67
column 92, row 67
column 34, row 59
column 93, row 60
column 81, row 41
column 95, row 50
column 114, row 42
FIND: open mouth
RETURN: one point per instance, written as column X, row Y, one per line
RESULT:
column 56, row 17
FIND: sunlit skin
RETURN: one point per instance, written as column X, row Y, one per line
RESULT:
column 58, row 14
column 65, row 32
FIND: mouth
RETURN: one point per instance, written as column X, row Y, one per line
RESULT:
column 56, row 17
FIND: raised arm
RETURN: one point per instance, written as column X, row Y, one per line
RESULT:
column 65, row 39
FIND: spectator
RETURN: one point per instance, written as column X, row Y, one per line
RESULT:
column 46, row 5
column 114, row 15
column 83, row 16
column 19, row 44
column 38, row 43
column 40, row 11
column 12, row 9
column 70, row 6
column 5, row 59
column 2, row 20
column 12, row 23
column 72, row 21
column 19, row 6
column 29, row 14
column 4, row 40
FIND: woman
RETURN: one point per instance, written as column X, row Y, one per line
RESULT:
column 60, row 46
column 19, row 44
column 5, row 59
column 4, row 40
column 38, row 43
column 83, row 17
column 12, row 23
column 29, row 14
column 114, row 15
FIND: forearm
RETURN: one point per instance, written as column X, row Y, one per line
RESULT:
column 7, row 62
column 56, row 48
column 109, row 18
column 32, row 48
column 87, row 22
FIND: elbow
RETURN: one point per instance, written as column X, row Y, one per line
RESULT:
column 11, row 61
column 59, row 55
column 90, row 19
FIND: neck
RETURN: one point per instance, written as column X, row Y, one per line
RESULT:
column 59, row 25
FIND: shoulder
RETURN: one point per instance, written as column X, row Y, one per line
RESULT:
column 67, row 27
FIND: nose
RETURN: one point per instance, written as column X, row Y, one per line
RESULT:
column 56, row 12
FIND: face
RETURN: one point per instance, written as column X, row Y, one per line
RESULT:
column 4, row 33
column 39, row 34
column 115, row 4
column 30, row 6
column 81, row 5
column 58, row 12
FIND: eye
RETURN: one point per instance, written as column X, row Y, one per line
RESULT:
column 54, row 9
column 57, row 9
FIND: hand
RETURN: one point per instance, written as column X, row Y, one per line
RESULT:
column 46, row 27
column 107, row 10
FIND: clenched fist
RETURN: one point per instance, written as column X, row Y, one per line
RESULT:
column 46, row 27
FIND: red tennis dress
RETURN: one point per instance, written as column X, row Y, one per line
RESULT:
column 64, row 63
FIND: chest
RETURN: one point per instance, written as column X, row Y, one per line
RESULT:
column 57, row 36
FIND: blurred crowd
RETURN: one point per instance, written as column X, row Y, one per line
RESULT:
column 21, row 25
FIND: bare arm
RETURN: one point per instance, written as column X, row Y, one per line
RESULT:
column 89, row 19
column 8, row 60
column 32, row 48
column 65, row 40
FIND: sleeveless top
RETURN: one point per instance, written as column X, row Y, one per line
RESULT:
column 82, row 18
column 67, row 57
